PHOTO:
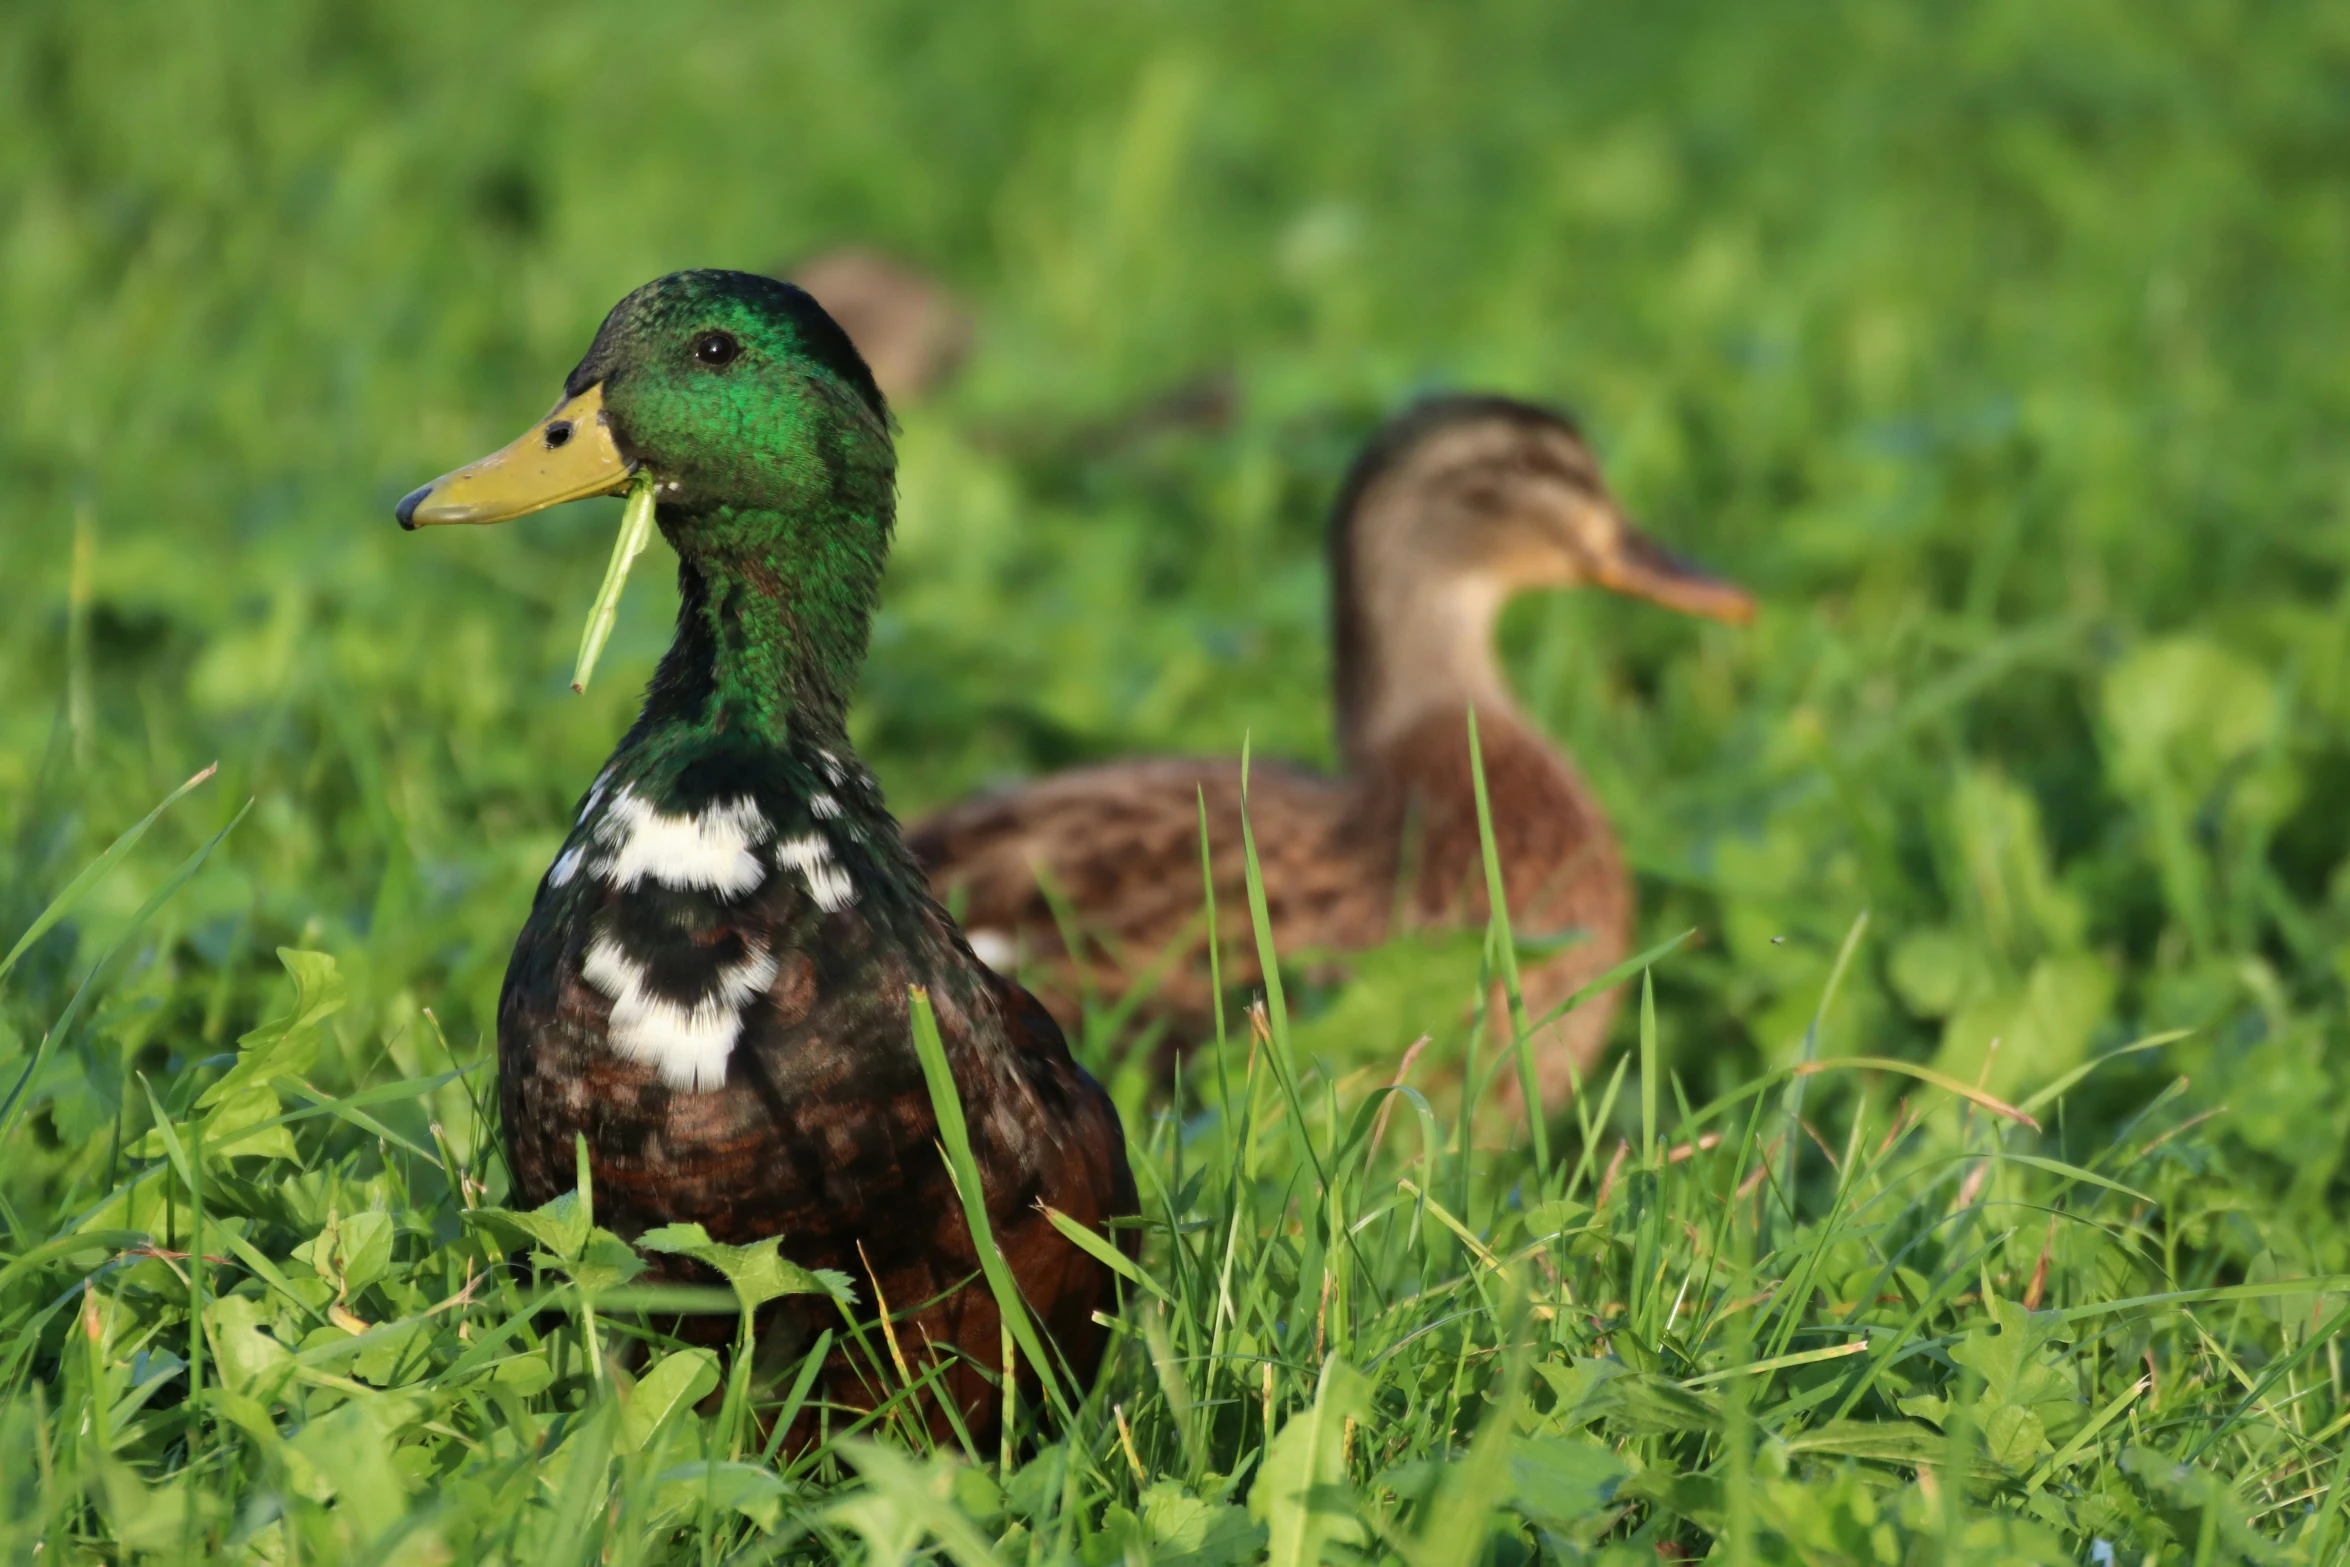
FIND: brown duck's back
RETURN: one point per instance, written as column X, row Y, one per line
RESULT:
column 1347, row 864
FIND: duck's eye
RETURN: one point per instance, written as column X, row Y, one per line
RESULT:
column 717, row 348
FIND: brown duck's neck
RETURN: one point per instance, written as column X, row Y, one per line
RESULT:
column 1412, row 636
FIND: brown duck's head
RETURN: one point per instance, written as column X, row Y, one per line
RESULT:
column 1455, row 506
column 912, row 331
column 1491, row 488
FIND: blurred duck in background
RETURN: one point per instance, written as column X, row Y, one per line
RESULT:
column 913, row 332
column 917, row 336
column 1455, row 507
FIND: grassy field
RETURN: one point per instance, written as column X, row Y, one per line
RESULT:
column 2000, row 349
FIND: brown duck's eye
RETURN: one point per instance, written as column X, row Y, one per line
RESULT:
column 717, row 348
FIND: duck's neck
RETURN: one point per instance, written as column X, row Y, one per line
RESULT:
column 1412, row 635
column 773, row 617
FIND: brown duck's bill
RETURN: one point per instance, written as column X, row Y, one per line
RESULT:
column 1643, row 568
column 566, row 456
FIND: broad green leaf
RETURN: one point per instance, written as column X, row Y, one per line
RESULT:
column 559, row 1227
column 903, row 1501
column 1880, row 1441
column 247, row 1126
column 2187, row 702
column 1559, row 1479
column 249, row 1359
column 286, row 1045
column 756, row 1492
column 1192, row 1531
column 605, row 1262
column 1554, row 1217
column 160, row 1518
column 2014, row 1435
column 353, row 1251
column 676, row 1380
column 351, row 1449
column 1301, row 1495
column 393, row 1353
column 524, row 1374
column 250, row 1123
column 2008, row 1357
column 759, row 1272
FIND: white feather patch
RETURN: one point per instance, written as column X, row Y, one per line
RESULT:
column 711, row 848
column 686, row 1046
column 811, row 856
column 595, row 796
column 823, row 806
column 566, row 866
column 996, row 949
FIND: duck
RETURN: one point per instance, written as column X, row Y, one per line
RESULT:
column 712, row 987
column 1455, row 506
column 913, row 331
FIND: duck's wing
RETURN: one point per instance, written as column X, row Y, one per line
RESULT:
column 1117, row 848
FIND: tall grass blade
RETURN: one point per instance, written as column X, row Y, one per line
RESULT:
column 14, row 1108
column 94, row 872
column 946, row 1102
column 1506, row 949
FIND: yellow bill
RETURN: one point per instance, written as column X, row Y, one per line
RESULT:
column 566, row 456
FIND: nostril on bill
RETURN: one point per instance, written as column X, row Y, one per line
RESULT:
column 558, row 434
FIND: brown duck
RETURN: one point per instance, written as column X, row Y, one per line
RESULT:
column 1453, row 508
column 913, row 332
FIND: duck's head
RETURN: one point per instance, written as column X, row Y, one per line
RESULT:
column 768, row 447
column 732, row 389
column 1455, row 506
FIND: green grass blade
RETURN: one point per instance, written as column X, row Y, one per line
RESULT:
column 947, row 1102
column 1276, row 1005
column 1506, row 948
column 1104, row 1253
column 2065, row 1084
column 1650, row 1070
column 95, row 872
column 636, row 531
column 17, row 1097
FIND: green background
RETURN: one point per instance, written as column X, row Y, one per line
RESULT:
column 1999, row 348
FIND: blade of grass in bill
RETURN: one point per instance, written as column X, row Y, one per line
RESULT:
column 946, row 1101
column 636, row 531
